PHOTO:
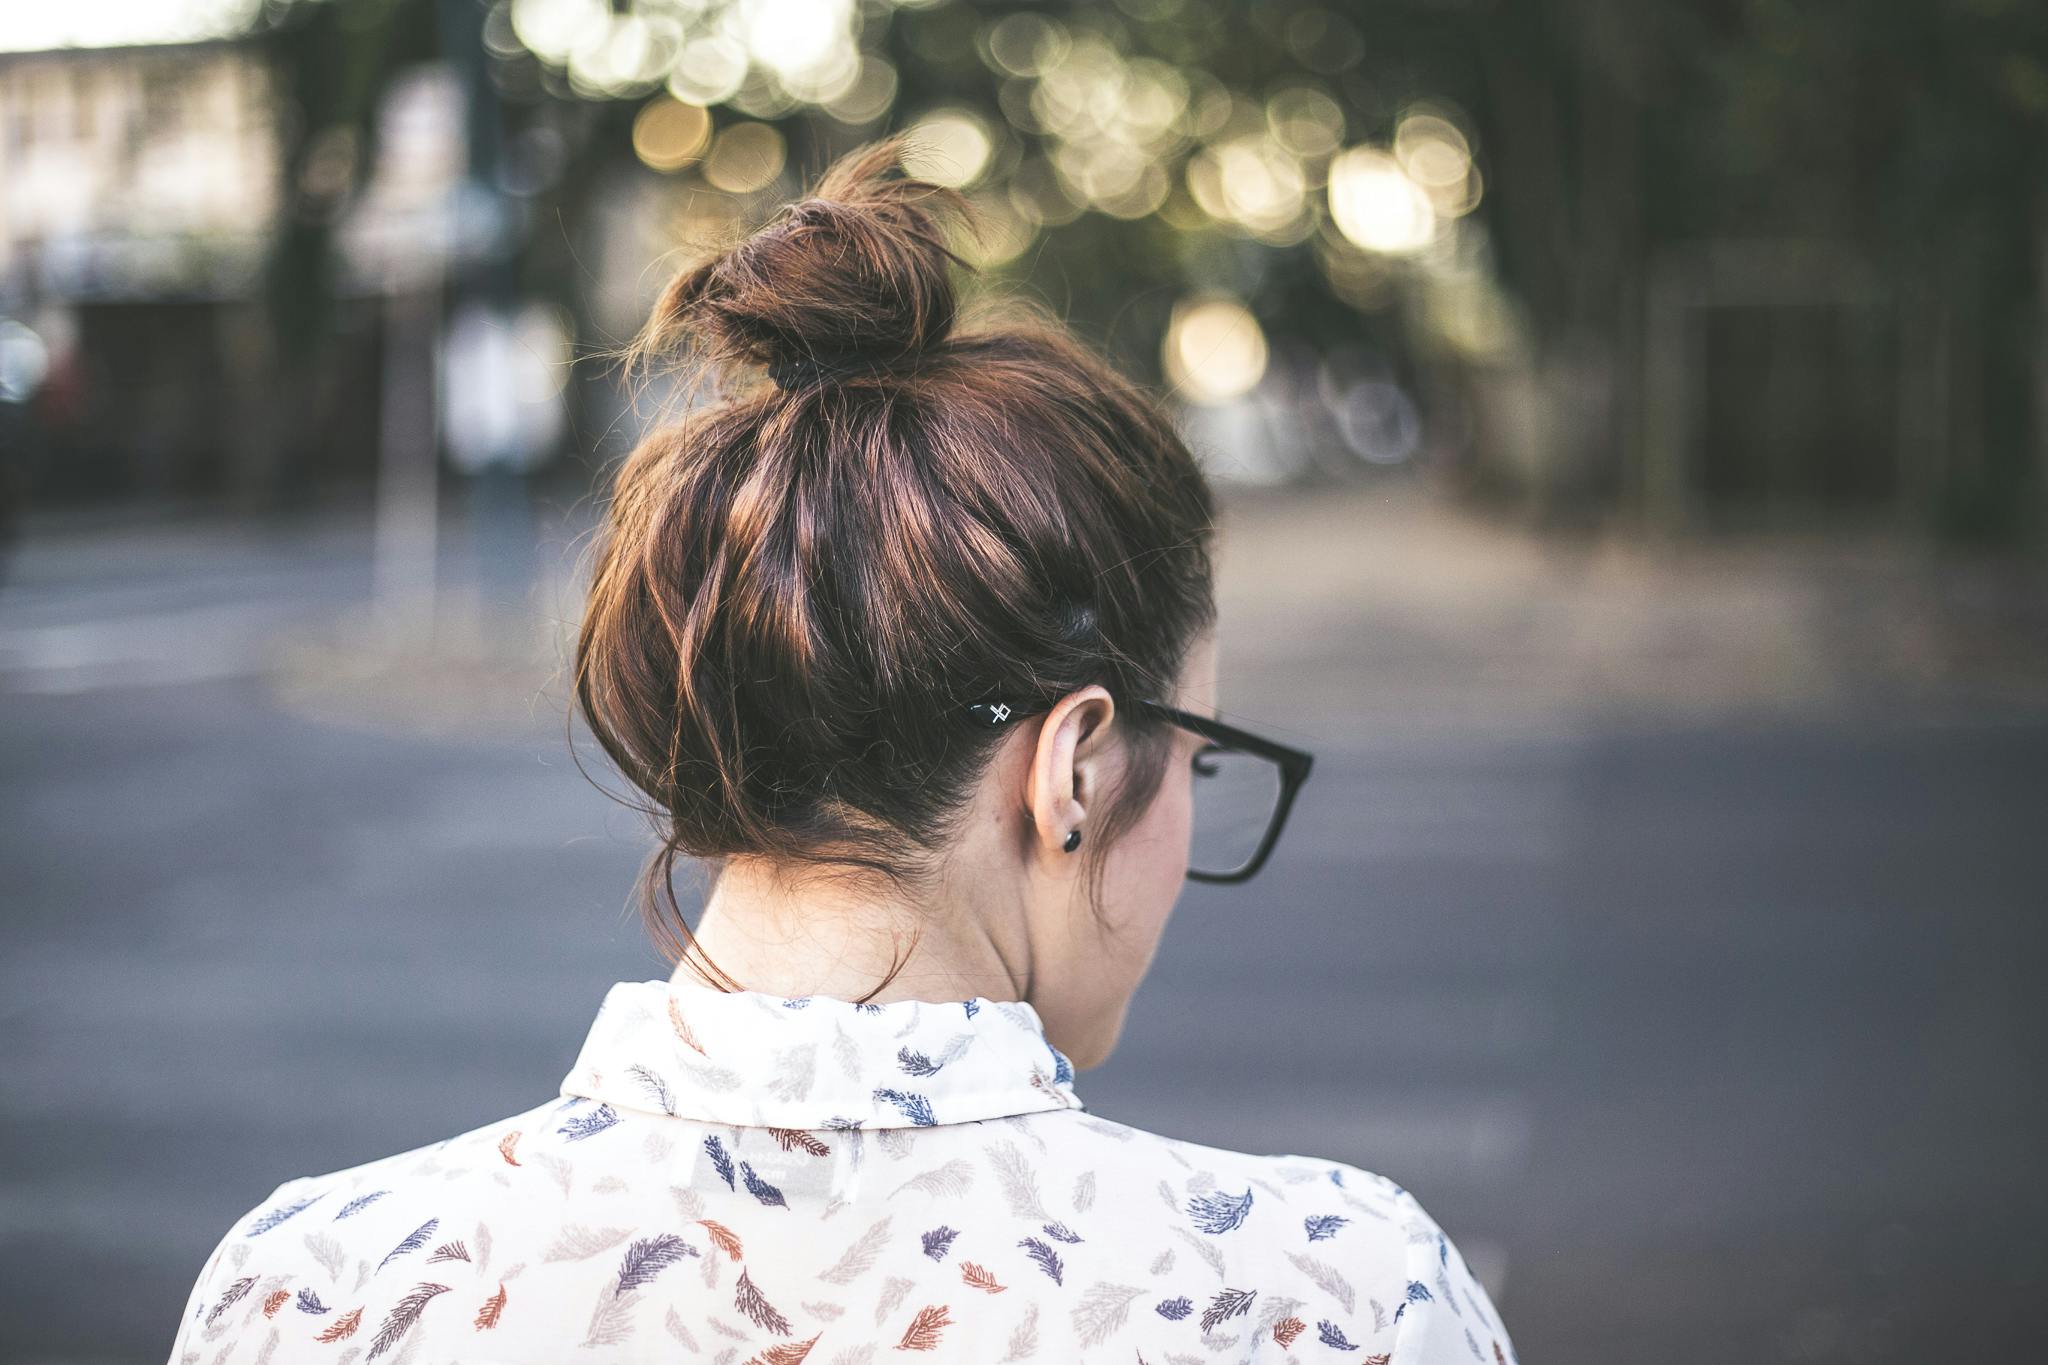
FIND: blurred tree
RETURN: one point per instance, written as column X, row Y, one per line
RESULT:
column 1611, row 138
column 1907, row 135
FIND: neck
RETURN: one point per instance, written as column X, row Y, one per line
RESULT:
column 781, row 938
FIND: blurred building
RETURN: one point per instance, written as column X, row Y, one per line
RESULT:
column 132, row 173
column 142, row 198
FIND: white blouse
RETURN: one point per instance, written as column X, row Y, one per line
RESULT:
column 745, row 1178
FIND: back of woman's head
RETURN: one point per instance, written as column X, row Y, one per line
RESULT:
column 802, row 583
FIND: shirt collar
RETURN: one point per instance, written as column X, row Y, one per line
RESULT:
column 751, row 1059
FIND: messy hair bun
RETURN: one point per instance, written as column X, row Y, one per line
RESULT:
column 857, row 272
column 796, row 595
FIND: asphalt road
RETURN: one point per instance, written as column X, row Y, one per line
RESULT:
column 1708, row 1036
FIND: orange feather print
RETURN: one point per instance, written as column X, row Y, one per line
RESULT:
column 505, row 1146
column 793, row 1139
column 487, row 1316
column 343, row 1327
column 675, row 1017
column 721, row 1237
column 1287, row 1329
column 788, row 1353
column 276, row 1301
column 980, row 1278
column 923, row 1334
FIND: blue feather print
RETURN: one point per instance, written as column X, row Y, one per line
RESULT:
column 402, row 1317
column 1219, row 1213
column 916, row 1063
column 842, row 1125
column 309, row 1302
column 915, row 1107
column 720, row 1162
column 413, row 1242
column 937, row 1241
column 866, row 1008
column 1323, row 1226
column 1048, row 1260
column 359, row 1203
column 1173, row 1310
column 796, row 1002
column 1418, row 1292
column 649, row 1257
column 973, row 1007
column 1060, row 1232
column 230, row 1296
column 1337, row 1177
column 584, row 1125
column 281, row 1213
column 760, row 1188
column 1229, row 1304
column 1062, row 1069
column 1331, row 1335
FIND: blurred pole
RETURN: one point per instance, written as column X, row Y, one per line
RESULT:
column 1668, row 361
column 2037, row 395
column 413, row 227
column 485, row 295
column 408, row 473
column 1923, row 321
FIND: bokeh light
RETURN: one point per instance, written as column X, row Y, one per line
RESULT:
column 1378, row 421
column 1306, row 121
column 745, row 157
column 1004, row 234
column 1254, row 182
column 869, row 96
column 949, row 146
column 1215, row 350
column 709, row 70
column 1435, row 153
column 1025, row 44
column 668, row 134
column 798, row 39
column 1376, row 205
column 1040, row 196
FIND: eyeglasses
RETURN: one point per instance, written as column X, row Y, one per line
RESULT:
column 1244, row 785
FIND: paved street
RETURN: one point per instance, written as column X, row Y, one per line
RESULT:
column 1674, row 928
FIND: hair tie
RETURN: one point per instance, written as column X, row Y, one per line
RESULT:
column 991, row 713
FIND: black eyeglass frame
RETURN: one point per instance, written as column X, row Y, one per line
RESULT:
column 1294, row 765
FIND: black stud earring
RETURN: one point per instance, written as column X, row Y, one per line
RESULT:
column 1073, row 840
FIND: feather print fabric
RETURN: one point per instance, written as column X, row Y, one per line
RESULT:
column 746, row 1180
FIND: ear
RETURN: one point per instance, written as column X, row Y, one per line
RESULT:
column 1069, row 766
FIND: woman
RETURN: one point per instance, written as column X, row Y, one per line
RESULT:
column 912, row 639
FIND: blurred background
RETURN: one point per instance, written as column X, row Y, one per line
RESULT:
column 1631, row 419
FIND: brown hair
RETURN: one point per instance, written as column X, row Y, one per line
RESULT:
column 799, row 586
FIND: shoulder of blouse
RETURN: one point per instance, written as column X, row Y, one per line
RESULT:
column 1326, row 1229
column 1354, row 1232
column 300, row 1227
